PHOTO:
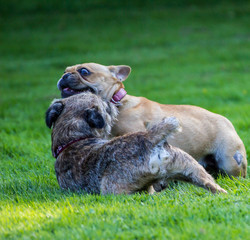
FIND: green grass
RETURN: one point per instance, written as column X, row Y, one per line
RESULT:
column 197, row 53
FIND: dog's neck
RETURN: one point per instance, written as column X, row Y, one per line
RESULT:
column 129, row 102
column 60, row 148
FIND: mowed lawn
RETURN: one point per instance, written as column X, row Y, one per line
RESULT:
column 180, row 53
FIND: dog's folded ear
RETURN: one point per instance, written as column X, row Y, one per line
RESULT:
column 94, row 118
column 120, row 72
column 53, row 113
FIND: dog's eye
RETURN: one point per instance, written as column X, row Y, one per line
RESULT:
column 84, row 71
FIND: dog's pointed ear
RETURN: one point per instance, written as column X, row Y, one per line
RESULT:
column 94, row 118
column 53, row 112
column 120, row 72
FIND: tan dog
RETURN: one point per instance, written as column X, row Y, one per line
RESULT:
column 210, row 138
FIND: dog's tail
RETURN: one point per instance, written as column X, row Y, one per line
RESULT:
column 164, row 129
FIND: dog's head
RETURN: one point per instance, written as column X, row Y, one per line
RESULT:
column 101, row 80
column 81, row 116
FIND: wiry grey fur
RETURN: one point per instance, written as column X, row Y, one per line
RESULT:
column 124, row 164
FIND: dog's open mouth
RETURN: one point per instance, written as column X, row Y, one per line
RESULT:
column 67, row 92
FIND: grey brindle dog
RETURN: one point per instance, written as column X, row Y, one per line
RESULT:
column 87, row 160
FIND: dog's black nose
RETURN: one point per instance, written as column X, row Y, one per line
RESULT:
column 65, row 76
column 63, row 82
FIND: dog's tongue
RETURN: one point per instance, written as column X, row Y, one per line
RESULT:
column 70, row 90
column 67, row 92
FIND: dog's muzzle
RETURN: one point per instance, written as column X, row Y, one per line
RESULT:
column 64, row 81
column 67, row 84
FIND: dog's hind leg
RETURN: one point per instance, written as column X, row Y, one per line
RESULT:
column 178, row 165
column 230, row 153
column 131, row 175
column 127, row 181
column 181, row 166
column 231, row 160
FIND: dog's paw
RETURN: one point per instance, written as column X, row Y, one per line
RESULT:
column 220, row 190
column 215, row 188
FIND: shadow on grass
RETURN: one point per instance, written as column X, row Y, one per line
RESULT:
column 28, row 190
column 47, row 189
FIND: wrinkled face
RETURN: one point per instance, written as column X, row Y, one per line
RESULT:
column 96, row 78
column 83, row 115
